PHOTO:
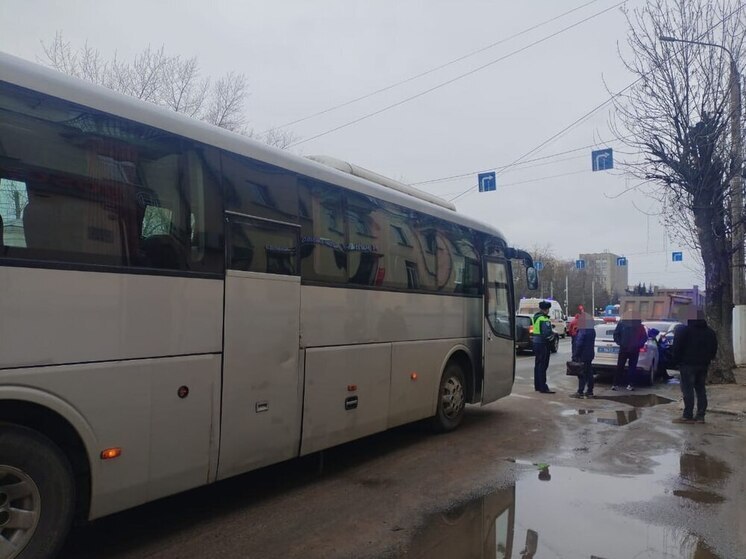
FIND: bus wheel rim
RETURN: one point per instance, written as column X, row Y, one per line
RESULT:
column 453, row 397
column 20, row 509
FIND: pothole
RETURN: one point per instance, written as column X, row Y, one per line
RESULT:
column 638, row 400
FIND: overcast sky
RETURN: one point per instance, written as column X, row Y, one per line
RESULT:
column 303, row 56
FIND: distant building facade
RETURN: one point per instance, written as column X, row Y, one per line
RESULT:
column 610, row 276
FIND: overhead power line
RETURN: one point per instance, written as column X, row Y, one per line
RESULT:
column 459, row 77
column 499, row 168
column 433, row 69
column 588, row 114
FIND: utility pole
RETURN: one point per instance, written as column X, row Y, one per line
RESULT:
column 593, row 298
column 737, row 186
column 567, row 296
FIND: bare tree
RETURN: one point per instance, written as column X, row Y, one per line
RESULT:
column 225, row 107
column 678, row 114
column 168, row 80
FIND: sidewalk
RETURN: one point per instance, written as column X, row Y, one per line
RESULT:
column 727, row 398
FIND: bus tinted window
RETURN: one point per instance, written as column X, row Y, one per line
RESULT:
column 95, row 189
column 257, row 246
column 323, row 233
column 258, row 189
column 365, row 250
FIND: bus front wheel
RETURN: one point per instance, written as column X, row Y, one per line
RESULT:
column 451, row 399
column 37, row 495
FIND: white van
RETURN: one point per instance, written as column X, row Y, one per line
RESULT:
column 556, row 314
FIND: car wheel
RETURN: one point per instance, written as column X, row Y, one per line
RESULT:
column 451, row 399
column 37, row 494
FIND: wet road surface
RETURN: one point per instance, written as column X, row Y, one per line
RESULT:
column 529, row 476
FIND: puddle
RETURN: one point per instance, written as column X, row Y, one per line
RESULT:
column 567, row 413
column 638, row 400
column 619, row 417
column 698, row 468
column 565, row 512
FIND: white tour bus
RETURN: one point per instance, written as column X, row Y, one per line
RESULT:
column 180, row 304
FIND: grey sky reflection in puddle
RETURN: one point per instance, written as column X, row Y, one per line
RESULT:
column 569, row 513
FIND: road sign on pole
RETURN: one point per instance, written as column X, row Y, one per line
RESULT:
column 487, row 182
column 602, row 159
column 580, row 264
column 621, row 261
column 677, row 256
column 539, row 266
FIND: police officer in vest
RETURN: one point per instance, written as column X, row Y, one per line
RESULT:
column 542, row 338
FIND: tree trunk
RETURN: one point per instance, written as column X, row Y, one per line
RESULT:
column 719, row 293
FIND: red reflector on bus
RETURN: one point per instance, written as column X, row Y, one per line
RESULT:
column 351, row 387
column 413, row 376
column 111, row 453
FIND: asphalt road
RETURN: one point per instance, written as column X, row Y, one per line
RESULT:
column 542, row 475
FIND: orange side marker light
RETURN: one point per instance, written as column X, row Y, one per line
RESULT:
column 111, row 453
column 413, row 376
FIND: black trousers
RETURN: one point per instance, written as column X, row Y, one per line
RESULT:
column 541, row 364
column 624, row 356
column 693, row 381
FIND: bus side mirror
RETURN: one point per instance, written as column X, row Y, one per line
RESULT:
column 532, row 278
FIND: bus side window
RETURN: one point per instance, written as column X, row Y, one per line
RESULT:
column 323, row 233
column 101, row 190
column 365, row 251
column 269, row 248
column 13, row 201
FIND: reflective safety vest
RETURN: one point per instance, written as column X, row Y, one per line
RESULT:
column 537, row 324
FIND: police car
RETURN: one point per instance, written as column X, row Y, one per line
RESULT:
column 607, row 353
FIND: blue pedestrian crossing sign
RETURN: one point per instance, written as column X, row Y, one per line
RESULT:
column 621, row 261
column 487, row 182
column 580, row 264
column 677, row 256
column 539, row 266
column 602, row 159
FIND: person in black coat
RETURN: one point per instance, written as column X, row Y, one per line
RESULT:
column 630, row 335
column 694, row 347
column 584, row 352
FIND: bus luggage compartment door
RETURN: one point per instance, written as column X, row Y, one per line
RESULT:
column 346, row 394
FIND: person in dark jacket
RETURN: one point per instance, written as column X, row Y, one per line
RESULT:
column 694, row 346
column 584, row 353
column 630, row 335
column 542, row 338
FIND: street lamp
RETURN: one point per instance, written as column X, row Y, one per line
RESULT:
column 737, row 260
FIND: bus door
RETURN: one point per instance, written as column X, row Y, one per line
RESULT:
column 260, row 415
column 498, row 330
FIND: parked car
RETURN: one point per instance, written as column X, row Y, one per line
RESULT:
column 524, row 330
column 556, row 314
column 607, row 352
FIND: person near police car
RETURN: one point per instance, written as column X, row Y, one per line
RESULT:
column 542, row 338
column 584, row 353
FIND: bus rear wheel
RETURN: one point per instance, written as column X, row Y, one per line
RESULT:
column 451, row 399
column 37, row 495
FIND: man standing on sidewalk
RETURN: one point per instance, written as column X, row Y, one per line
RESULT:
column 630, row 335
column 694, row 346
